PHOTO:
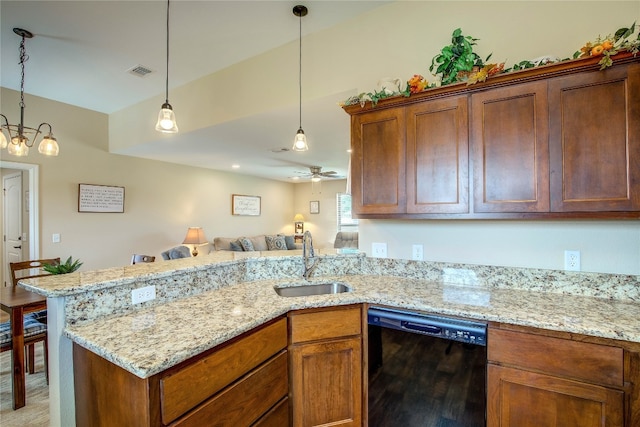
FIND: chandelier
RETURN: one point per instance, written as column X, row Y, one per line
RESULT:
column 21, row 137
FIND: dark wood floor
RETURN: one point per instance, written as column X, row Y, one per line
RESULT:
column 419, row 384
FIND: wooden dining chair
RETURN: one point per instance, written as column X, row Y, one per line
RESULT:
column 29, row 269
column 137, row 259
column 35, row 323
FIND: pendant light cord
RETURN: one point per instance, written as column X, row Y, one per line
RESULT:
column 167, row 80
column 300, row 71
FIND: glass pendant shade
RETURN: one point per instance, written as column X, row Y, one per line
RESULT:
column 3, row 140
column 167, row 120
column 18, row 146
column 48, row 146
column 300, row 141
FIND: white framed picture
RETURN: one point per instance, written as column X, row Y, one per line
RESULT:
column 314, row 206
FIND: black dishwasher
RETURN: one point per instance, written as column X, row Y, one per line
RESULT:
column 425, row 370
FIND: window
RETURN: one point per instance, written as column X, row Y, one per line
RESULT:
column 345, row 221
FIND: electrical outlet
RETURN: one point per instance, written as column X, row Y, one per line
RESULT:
column 572, row 260
column 417, row 254
column 140, row 295
column 379, row 250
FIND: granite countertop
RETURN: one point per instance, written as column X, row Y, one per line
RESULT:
column 153, row 339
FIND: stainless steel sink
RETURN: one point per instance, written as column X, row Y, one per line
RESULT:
column 311, row 289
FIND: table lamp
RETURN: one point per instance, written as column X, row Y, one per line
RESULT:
column 298, row 224
column 195, row 236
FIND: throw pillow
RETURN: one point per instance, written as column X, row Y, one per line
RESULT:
column 290, row 241
column 236, row 246
column 246, row 244
column 276, row 243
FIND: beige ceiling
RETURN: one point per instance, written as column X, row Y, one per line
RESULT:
column 82, row 51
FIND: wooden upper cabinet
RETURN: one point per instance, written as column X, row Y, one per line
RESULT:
column 557, row 141
column 595, row 140
column 437, row 158
column 509, row 149
column 378, row 162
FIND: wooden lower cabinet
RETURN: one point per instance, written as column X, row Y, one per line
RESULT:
column 519, row 398
column 240, row 383
column 326, row 367
column 541, row 381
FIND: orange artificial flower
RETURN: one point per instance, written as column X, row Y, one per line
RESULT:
column 607, row 45
column 417, row 83
column 586, row 49
column 597, row 50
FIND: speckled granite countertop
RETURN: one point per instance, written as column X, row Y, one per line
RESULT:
column 153, row 339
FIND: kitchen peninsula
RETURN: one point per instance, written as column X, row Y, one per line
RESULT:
column 207, row 301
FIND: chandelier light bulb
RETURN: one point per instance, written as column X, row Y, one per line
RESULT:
column 3, row 140
column 18, row 146
column 49, row 146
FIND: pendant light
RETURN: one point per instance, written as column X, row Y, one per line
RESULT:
column 18, row 143
column 166, row 117
column 300, row 141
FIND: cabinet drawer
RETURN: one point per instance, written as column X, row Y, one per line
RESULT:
column 334, row 323
column 594, row 363
column 277, row 416
column 244, row 402
column 186, row 388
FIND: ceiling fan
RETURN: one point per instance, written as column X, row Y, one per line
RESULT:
column 316, row 174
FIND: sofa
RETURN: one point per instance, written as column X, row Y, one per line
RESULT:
column 262, row 242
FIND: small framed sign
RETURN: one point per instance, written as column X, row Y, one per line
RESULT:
column 245, row 205
column 314, row 206
column 100, row 198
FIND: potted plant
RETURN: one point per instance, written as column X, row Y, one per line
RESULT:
column 457, row 60
column 69, row 266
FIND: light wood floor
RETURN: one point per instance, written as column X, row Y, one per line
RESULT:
column 36, row 411
column 428, row 387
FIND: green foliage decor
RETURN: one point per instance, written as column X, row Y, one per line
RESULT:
column 456, row 57
column 69, row 266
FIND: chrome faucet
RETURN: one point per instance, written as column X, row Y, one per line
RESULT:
column 308, row 254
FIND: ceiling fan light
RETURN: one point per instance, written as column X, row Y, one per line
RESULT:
column 316, row 179
column 300, row 141
column 167, row 119
column 49, row 146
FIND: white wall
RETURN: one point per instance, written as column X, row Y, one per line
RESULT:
column 605, row 246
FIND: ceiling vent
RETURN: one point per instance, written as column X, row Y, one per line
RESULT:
column 140, row 71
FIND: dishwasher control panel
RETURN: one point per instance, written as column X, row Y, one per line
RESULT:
column 466, row 331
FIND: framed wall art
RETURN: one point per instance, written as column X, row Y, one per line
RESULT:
column 100, row 198
column 245, row 205
column 314, row 206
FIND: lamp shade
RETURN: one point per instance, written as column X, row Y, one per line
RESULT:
column 195, row 236
column 298, row 218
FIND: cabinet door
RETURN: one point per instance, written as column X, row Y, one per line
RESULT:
column 377, row 162
column 509, row 143
column 326, row 382
column 518, row 398
column 438, row 156
column 595, row 140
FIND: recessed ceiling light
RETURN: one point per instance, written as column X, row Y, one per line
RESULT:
column 235, row 166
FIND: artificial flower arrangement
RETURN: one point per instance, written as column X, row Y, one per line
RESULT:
column 458, row 63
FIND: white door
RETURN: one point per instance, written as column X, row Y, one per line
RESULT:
column 12, row 185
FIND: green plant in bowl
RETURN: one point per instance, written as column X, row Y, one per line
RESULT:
column 69, row 266
column 456, row 59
